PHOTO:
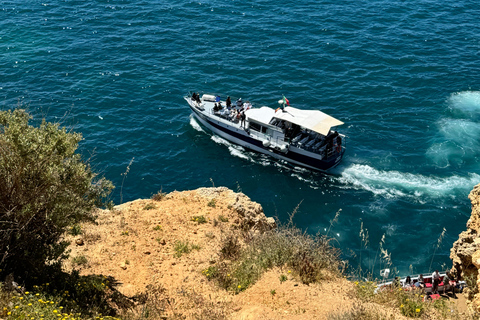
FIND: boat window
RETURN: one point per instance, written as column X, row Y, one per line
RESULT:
column 264, row 130
column 255, row 126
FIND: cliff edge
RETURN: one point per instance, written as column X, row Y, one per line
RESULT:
column 465, row 253
column 160, row 253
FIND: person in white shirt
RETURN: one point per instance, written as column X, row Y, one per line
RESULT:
column 436, row 281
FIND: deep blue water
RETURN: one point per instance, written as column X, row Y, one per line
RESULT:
column 402, row 75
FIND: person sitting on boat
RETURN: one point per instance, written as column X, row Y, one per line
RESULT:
column 420, row 282
column 247, row 105
column 408, row 283
column 228, row 103
column 216, row 108
column 196, row 97
column 239, row 103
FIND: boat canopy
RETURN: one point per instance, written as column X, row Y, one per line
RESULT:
column 262, row 115
column 310, row 119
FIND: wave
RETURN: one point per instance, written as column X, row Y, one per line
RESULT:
column 235, row 150
column 195, row 125
column 394, row 184
column 467, row 102
column 456, row 142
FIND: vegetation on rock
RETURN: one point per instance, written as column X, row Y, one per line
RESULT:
column 45, row 188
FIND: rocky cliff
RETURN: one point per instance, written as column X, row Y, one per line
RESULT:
column 465, row 253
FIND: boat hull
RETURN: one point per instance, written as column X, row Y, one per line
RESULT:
column 239, row 136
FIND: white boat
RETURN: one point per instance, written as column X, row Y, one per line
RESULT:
column 300, row 137
column 426, row 285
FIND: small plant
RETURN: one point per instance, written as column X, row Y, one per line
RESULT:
column 75, row 230
column 159, row 196
column 273, row 292
column 80, row 260
column 124, row 233
column 222, row 218
column 127, row 262
column 212, row 203
column 412, row 305
column 149, row 206
column 230, row 248
column 283, row 278
column 199, row 219
column 365, row 290
column 123, row 180
column 157, row 228
column 181, row 247
column 211, row 272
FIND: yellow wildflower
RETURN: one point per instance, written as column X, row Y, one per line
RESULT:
column 239, row 286
column 27, row 292
column 55, row 311
column 417, row 310
column 401, row 306
column 16, row 307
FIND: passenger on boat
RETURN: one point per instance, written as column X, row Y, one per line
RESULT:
column 228, row 102
column 420, row 282
column 247, row 105
column 339, row 143
column 451, row 281
column 239, row 103
column 436, row 281
column 408, row 283
column 396, row 283
column 242, row 119
column 196, row 97
column 217, row 108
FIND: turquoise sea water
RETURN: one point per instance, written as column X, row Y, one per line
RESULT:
column 402, row 75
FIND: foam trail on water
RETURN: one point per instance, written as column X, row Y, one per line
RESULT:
column 234, row 150
column 465, row 101
column 457, row 140
column 393, row 184
column 195, row 124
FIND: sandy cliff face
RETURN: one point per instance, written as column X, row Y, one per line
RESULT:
column 465, row 252
column 135, row 245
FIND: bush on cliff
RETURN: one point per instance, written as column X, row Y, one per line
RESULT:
column 45, row 187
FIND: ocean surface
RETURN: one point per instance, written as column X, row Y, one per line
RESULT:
column 402, row 75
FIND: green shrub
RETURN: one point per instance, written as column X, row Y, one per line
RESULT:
column 149, row 206
column 211, row 272
column 222, row 218
column 181, row 247
column 45, row 187
column 80, row 260
column 366, row 290
column 159, row 196
column 212, row 203
column 199, row 219
column 75, row 230
column 308, row 256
